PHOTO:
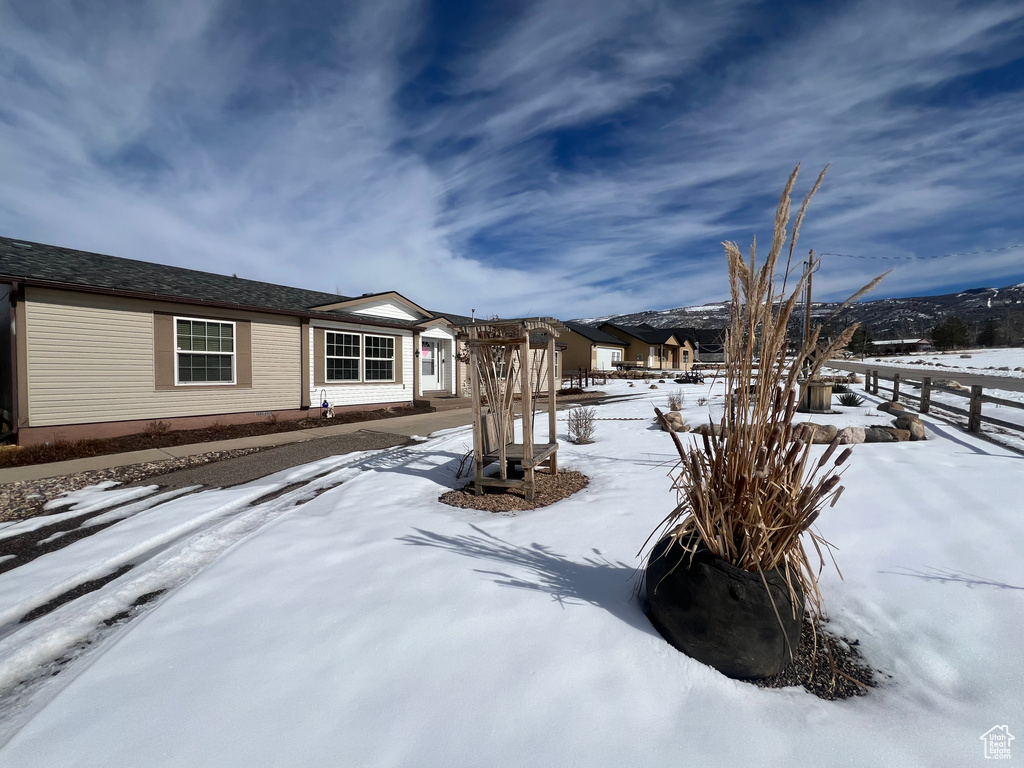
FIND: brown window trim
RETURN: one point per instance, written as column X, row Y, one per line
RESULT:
column 165, row 351
column 320, row 359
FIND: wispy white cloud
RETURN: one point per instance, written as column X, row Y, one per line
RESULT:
column 193, row 133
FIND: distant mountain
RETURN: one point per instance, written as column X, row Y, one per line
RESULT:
column 887, row 318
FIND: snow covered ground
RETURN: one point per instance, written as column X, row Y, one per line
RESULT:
column 371, row 625
column 987, row 361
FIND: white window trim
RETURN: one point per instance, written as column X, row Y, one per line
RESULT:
column 394, row 355
column 234, row 353
column 396, row 349
column 359, row 358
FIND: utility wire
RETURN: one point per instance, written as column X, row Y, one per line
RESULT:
column 924, row 258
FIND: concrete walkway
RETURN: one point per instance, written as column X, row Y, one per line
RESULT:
column 419, row 424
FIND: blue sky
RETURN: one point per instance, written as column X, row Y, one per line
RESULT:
column 550, row 157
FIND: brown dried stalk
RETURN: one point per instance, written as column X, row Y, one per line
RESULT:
column 749, row 494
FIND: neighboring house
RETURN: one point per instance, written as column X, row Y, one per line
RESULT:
column 589, row 348
column 708, row 343
column 98, row 346
column 654, row 348
column 898, row 346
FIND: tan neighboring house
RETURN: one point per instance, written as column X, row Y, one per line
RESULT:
column 97, row 346
column 652, row 348
column 591, row 349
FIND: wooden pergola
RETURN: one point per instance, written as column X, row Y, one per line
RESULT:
column 500, row 363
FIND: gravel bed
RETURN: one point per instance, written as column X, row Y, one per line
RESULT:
column 811, row 668
column 26, row 498
column 549, row 489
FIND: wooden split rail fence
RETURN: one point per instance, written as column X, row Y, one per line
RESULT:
column 975, row 397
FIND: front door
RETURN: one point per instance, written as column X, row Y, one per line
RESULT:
column 431, row 366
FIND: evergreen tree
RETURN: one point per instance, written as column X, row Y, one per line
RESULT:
column 989, row 334
column 860, row 344
column 950, row 333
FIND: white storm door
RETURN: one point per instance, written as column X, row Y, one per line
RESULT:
column 430, row 366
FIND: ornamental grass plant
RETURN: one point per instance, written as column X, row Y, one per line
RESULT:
column 749, row 492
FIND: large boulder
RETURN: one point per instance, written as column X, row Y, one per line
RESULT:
column 713, row 430
column 808, row 431
column 674, row 421
column 851, row 435
column 878, row 435
column 890, row 407
column 901, row 435
column 904, row 420
column 913, row 426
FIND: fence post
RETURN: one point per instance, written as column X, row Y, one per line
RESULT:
column 895, row 387
column 926, row 394
column 874, row 381
column 974, row 419
column 867, row 381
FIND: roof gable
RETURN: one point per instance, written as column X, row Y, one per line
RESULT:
column 389, row 304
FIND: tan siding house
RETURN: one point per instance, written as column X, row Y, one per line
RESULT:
column 102, row 346
column 591, row 349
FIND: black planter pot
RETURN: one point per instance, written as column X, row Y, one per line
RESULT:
column 721, row 615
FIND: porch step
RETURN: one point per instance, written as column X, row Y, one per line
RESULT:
column 443, row 403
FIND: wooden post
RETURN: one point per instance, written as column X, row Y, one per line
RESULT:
column 895, row 387
column 926, row 394
column 527, row 392
column 478, row 452
column 867, row 381
column 875, row 378
column 552, row 406
column 974, row 419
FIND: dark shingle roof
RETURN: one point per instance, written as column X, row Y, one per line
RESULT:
column 22, row 259
column 645, row 333
column 710, row 339
column 595, row 334
column 453, row 319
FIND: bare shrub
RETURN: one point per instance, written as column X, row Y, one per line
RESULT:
column 702, row 401
column 675, row 401
column 581, row 425
column 156, row 428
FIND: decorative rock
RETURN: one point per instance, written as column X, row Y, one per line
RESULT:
column 714, row 430
column 878, row 435
column 1003, row 368
column 904, row 420
column 675, row 422
column 966, row 357
column 661, row 381
column 853, row 378
column 949, row 384
column 653, row 386
column 851, row 435
column 815, row 433
column 901, row 435
column 890, row 407
column 742, row 623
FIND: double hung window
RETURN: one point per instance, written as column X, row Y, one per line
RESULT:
column 342, row 356
column 204, row 351
column 380, row 358
column 353, row 357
